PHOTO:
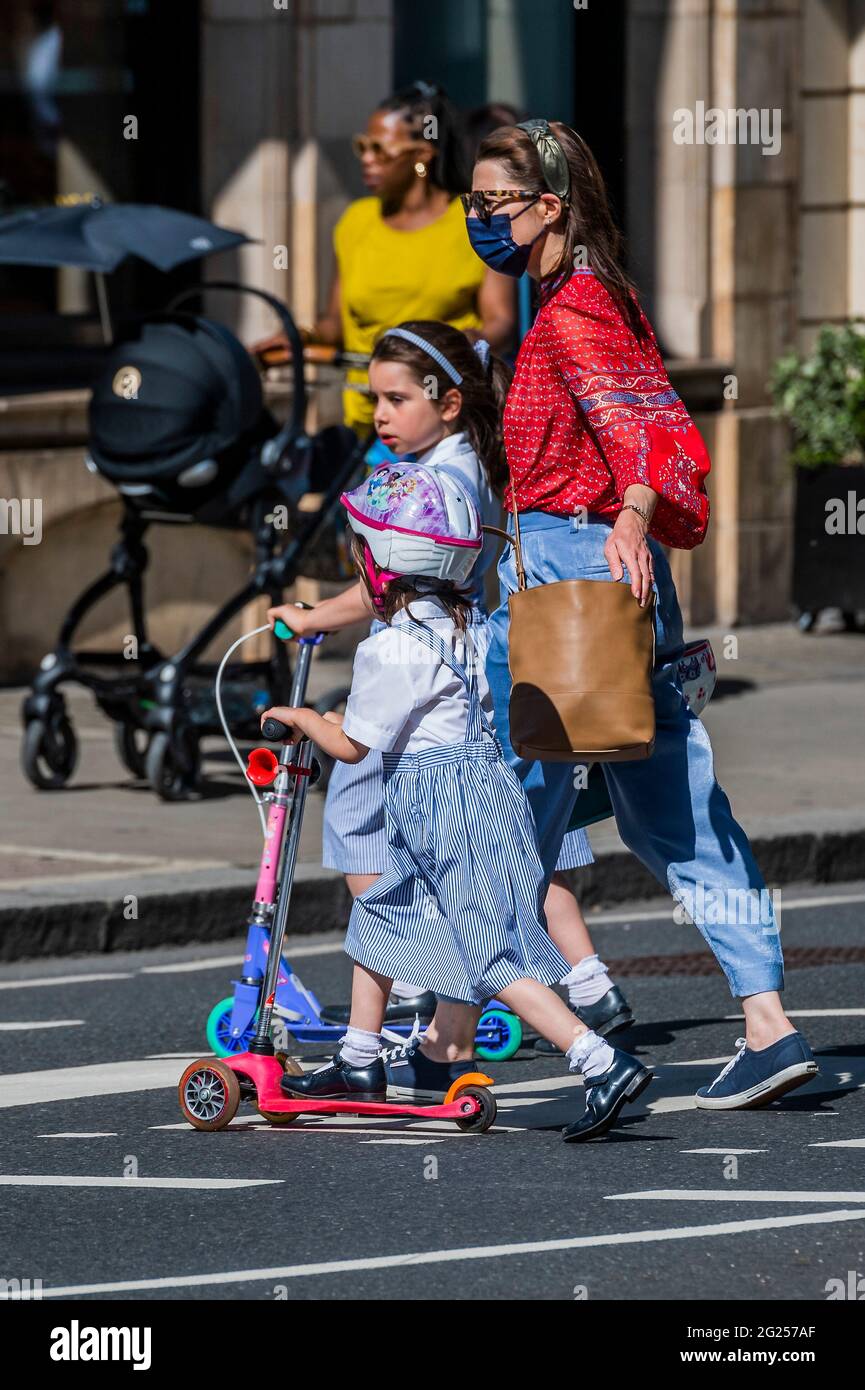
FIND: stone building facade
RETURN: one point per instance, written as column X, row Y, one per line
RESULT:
column 744, row 234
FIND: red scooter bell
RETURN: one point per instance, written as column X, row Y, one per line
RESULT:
column 262, row 766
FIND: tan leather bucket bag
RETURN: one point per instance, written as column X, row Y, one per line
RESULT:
column 581, row 654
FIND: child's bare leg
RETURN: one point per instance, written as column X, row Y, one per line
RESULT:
column 565, row 921
column 450, row 1036
column 542, row 1009
column 358, row 883
column 369, row 995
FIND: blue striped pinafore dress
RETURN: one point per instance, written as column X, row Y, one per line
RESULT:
column 459, row 830
column 354, row 839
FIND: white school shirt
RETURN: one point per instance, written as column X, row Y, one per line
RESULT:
column 403, row 697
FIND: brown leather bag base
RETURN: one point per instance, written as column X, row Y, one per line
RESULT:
column 593, row 647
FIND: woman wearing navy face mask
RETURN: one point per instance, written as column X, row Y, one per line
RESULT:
column 608, row 467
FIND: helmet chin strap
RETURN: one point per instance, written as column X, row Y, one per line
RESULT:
column 377, row 578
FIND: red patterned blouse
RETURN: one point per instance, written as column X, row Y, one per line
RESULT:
column 631, row 427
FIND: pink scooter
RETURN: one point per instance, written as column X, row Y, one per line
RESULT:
column 212, row 1089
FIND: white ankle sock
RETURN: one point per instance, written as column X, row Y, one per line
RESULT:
column 359, row 1048
column 587, row 982
column 401, row 990
column 590, row 1055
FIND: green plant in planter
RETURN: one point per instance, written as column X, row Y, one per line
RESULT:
column 823, row 397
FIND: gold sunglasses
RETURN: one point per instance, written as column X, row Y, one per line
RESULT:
column 366, row 144
column 482, row 201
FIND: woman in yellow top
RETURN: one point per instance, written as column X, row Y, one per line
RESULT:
column 403, row 252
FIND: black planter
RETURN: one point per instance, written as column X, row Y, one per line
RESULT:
column 829, row 567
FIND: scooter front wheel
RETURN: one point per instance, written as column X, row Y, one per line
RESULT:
column 209, row 1094
column 478, row 1121
column 218, row 1030
column 507, row 1035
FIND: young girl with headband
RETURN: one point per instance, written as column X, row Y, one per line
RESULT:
column 459, row 828
column 440, row 400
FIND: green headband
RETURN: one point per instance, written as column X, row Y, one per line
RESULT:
column 554, row 164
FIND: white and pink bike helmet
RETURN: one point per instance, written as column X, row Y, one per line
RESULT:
column 414, row 521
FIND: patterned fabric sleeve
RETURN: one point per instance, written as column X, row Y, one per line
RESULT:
column 636, row 419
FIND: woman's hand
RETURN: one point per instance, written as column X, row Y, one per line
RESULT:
column 627, row 547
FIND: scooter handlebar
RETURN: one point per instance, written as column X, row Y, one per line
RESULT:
column 276, row 732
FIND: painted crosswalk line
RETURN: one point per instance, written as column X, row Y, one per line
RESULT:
column 418, row 1258
column 732, row 1194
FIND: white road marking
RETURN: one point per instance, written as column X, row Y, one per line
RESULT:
column 82, row 1134
column 723, row 1151
column 178, row 866
column 811, row 1013
column 697, row 1062
column 838, row 1144
column 73, row 1083
column 138, row 1184
column 430, row 1257
column 46, row 981
column 684, row 1194
column 349, row 1125
column 42, row 1023
column 73, row 855
column 180, row 1056
column 405, row 1142
column 236, row 960
column 661, row 913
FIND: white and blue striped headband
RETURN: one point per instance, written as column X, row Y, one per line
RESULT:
column 481, row 347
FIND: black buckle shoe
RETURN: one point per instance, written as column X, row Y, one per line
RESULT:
column 339, row 1081
column 623, row 1081
column 397, row 1011
column 609, row 1015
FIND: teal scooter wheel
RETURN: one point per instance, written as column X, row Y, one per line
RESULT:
column 510, row 1031
column 218, row 1030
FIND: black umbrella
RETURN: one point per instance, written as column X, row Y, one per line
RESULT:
column 98, row 237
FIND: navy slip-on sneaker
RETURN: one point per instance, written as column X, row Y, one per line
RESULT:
column 754, row 1078
column 414, row 1077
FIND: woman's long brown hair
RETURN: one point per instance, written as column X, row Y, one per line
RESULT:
column 588, row 219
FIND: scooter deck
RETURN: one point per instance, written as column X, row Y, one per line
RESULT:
column 212, row 1089
column 280, row 1104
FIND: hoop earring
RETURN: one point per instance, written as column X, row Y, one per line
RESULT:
column 420, row 169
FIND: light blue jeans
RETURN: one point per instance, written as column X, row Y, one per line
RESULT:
column 669, row 808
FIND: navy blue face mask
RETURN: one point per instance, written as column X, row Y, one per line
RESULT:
column 493, row 241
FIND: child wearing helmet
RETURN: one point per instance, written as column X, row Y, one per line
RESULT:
column 439, row 399
column 459, row 827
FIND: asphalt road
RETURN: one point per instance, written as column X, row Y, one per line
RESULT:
column 107, row 1191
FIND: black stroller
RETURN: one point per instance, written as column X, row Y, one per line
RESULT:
column 178, row 425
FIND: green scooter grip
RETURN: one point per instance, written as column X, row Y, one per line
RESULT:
column 281, row 631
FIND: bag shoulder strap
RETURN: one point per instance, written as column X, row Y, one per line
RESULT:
column 513, row 539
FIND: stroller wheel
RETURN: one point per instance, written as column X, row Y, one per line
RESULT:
column 172, row 766
column 131, row 744
column 49, row 752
